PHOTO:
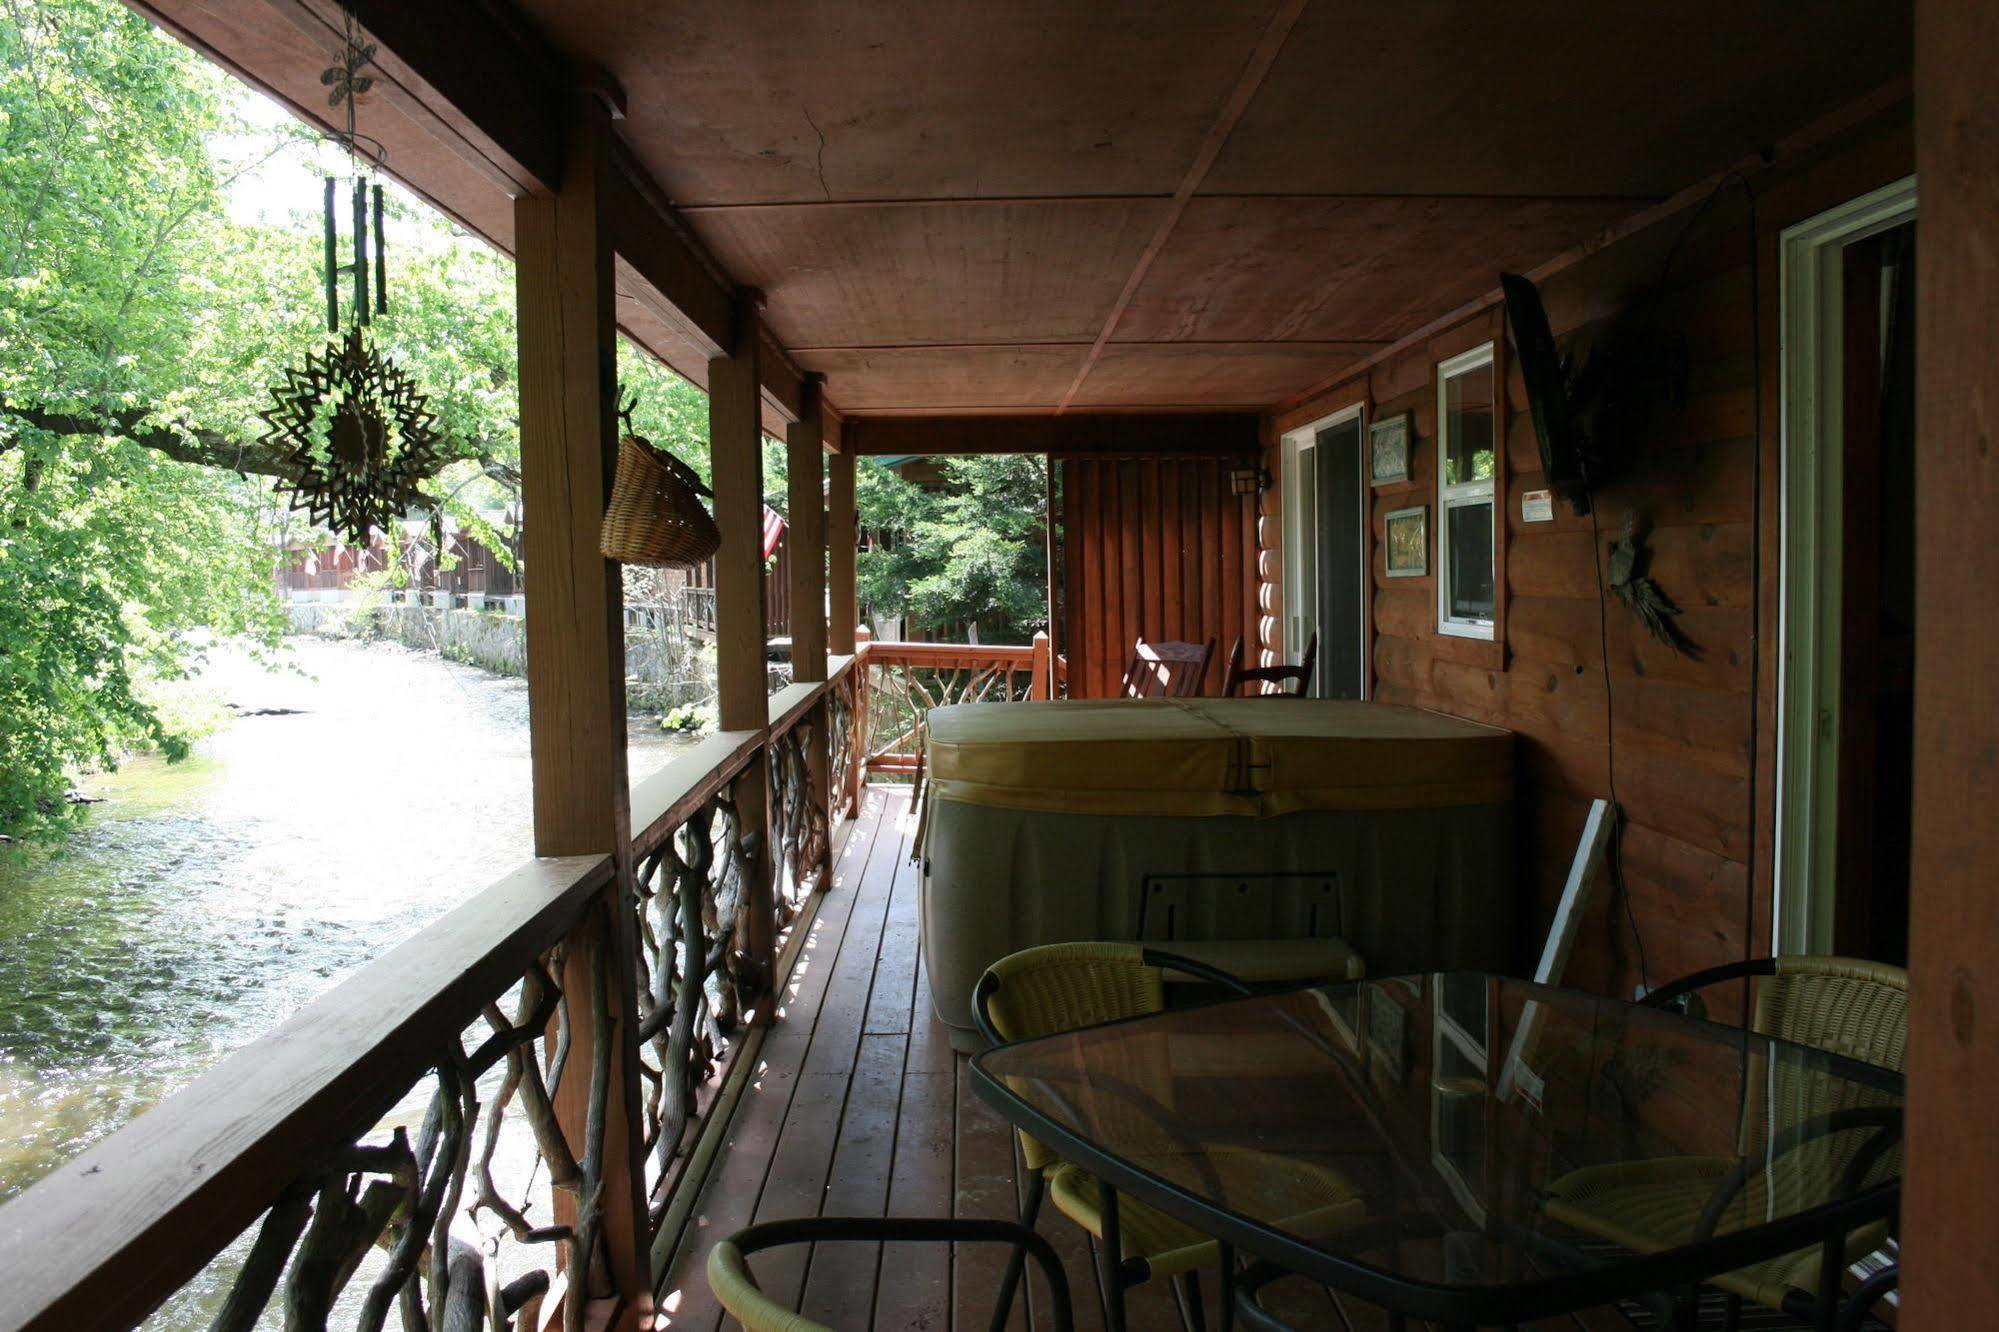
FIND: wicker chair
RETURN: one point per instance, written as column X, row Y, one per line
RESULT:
column 729, row 1274
column 1842, row 1005
column 1060, row 987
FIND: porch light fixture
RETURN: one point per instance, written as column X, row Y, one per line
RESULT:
column 1248, row 480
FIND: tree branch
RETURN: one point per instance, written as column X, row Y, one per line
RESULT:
column 213, row 448
column 206, row 448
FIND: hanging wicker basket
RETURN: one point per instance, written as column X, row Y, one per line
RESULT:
column 656, row 516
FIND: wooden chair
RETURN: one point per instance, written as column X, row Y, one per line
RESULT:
column 1280, row 676
column 1167, row 670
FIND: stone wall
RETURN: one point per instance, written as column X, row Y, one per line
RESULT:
column 664, row 668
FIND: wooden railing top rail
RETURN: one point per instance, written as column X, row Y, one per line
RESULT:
column 793, row 701
column 103, row 1239
column 663, row 801
column 948, row 654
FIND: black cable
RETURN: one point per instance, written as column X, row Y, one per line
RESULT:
column 1614, row 847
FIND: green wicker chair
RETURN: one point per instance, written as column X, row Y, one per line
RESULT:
column 1060, row 987
column 729, row 1272
column 1846, row 1006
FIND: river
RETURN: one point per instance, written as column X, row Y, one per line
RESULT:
column 361, row 791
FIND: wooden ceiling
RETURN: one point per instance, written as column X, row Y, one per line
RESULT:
column 1046, row 205
column 946, row 203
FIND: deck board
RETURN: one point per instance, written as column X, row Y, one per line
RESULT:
column 860, row 1107
column 734, row 1186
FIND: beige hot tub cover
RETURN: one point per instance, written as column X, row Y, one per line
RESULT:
column 1213, row 756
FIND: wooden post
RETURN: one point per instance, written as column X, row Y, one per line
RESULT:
column 1049, row 517
column 805, row 452
column 742, row 679
column 1950, row 1227
column 576, row 658
column 1042, row 679
column 857, row 771
column 844, row 612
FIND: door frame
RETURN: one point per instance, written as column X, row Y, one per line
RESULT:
column 1811, row 500
column 1297, row 532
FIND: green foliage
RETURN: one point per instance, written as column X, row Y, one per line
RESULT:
column 144, row 316
column 140, row 309
column 109, row 552
column 968, row 552
column 671, row 412
column 690, row 719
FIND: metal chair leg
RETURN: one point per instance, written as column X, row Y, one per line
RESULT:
column 1832, row 1262
column 1113, row 1259
column 1187, row 1294
column 1029, row 1210
column 1097, row 1267
column 1227, row 1316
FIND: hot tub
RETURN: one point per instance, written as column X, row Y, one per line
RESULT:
column 1214, row 822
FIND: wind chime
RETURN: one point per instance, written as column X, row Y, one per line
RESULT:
column 358, row 433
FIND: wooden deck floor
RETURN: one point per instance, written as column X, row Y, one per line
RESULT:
column 859, row 1107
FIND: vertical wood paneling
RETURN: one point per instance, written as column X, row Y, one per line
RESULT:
column 1188, row 491
column 1159, row 549
column 1130, row 558
column 1152, row 548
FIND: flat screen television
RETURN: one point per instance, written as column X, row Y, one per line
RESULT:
column 1547, row 390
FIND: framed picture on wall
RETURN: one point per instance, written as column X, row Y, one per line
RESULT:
column 1388, row 449
column 1408, row 543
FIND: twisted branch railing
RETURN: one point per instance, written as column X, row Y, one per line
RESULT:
column 692, row 982
column 415, row 1144
column 798, row 818
column 427, row 1217
column 906, row 680
column 844, row 730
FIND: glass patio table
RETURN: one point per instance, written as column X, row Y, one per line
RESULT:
column 1514, row 1151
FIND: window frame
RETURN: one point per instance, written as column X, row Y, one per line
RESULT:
column 1466, row 493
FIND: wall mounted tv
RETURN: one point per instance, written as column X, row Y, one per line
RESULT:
column 1547, row 380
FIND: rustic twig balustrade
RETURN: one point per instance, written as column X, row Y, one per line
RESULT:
column 397, row 1149
column 393, row 1152
column 905, row 680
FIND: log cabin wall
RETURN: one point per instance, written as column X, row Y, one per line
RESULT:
column 1687, row 729
column 1159, row 549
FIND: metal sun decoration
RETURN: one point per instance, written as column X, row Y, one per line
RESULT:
column 358, row 432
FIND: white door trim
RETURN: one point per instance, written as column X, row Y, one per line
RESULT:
column 1293, row 442
column 1811, row 299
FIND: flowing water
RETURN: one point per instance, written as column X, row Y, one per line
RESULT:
column 361, row 791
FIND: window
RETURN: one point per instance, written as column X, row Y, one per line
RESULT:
column 1466, row 513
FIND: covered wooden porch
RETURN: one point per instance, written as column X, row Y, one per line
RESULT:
column 1149, row 244
column 857, row 1106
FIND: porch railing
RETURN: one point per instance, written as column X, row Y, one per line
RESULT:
column 330, row 1167
column 453, row 1127
column 904, row 681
